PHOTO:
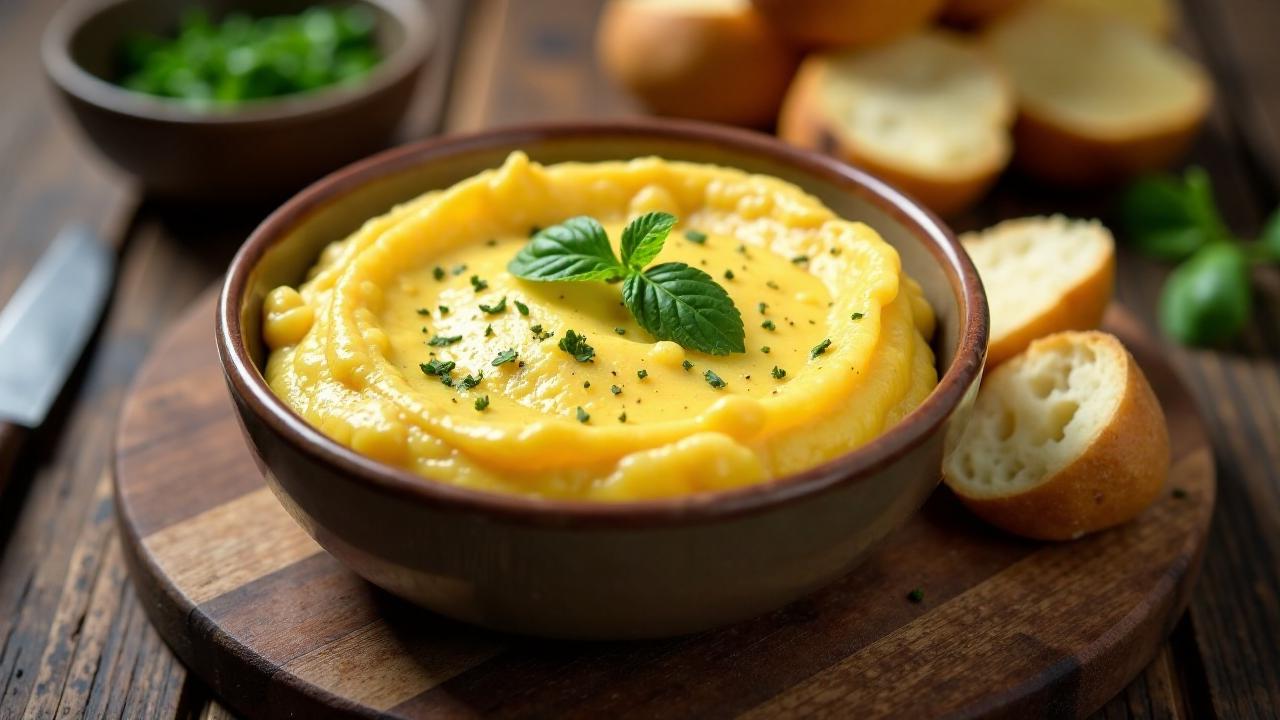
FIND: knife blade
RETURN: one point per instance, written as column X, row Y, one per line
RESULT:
column 46, row 323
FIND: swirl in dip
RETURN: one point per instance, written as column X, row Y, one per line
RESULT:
column 640, row 419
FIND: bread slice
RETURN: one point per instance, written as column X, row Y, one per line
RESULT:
column 1042, row 275
column 928, row 113
column 1099, row 100
column 1156, row 17
column 1065, row 439
column 847, row 23
column 714, row 60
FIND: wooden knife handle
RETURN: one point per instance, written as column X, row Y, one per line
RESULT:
column 11, row 438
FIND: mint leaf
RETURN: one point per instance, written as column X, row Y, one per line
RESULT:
column 674, row 301
column 576, row 249
column 642, row 238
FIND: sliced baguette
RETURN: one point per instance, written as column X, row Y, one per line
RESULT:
column 847, row 23
column 712, row 60
column 1099, row 100
column 1042, row 275
column 928, row 113
column 1065, row 439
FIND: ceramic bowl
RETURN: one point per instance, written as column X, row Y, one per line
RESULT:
column 593, row 570
column 255, row 150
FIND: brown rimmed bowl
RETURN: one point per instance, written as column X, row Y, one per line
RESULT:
column 580, row 569
column 260, row 149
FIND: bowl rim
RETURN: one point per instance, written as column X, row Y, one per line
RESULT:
column 251, row 390
column 416, row 20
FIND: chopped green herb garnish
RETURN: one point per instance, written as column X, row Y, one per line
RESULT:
column 714, row 380
column 504, row 357
column 694, row 236
column 768, row 325
column 771, row 284
column 620, row 330
column 437, row 367
column 459, row 269
column 444, row 309
column 686, row 365
column 800, row 259
column 642, row 373
column 582, row 415
column 446, row 380
column 524, row 309
column 494, row 309
column 764, row 349
column 819, row 348
column 615, row 389
column 470, row 381
column 576, row 345
column 443, row 340
column 438, row 273
column 424, row 311
column 762, row 307
column 622, row 417
column 536, row 329
column 488, row 330
column 856, row 316
column 778, row 373
column 728, row 274
column 482, row 403
column 477, row 284
column 586, row 384
column 916, row 595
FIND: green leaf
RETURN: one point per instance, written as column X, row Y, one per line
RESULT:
column 576, row 345
column 674, row 301
column 1207, row 300
column 643, row 238
column 1270, row 238
column 1169, row 217
column 576, row 249
column 504, row 357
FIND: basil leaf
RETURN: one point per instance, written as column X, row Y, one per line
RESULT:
column 576, row 249
column 1207, row 300
column 674, row 301
column 642, row 238
column 1169, row 217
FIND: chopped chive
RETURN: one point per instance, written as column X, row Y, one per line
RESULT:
column 615, row 389
column 437, row 272
column 583, row 417
column 778, row 373
column 482, row 403
column 495, row 309
column 524, row 309
column 714, row 380
column 695, row 236
column 819, row 348
column 477, row 284
column 504, row 357
column 443, row 340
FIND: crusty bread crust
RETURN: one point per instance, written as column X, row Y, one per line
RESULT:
column 1115, row 478
column 847, row 23
column 728, row 67
column 804, row 121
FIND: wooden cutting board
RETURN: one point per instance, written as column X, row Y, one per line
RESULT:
column 278, row 628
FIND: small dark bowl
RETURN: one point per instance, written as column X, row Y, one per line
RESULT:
column 258, row 150
column 582, row 569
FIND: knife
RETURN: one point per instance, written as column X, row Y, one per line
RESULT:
column 44, row 328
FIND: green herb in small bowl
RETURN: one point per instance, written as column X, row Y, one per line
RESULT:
column 242, row 58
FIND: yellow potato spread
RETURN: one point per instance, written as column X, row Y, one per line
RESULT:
column 395, row 343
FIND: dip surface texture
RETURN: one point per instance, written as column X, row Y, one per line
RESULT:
column 397, row 337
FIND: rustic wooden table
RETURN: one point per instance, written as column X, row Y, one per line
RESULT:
column 74, row 640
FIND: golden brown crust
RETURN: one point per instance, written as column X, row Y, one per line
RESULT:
column 1111, row 482
column 1080, row 308
column 846, row 23
column 804, row 122
column 714, row 66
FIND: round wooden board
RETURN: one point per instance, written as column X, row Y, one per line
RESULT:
column 278, row 628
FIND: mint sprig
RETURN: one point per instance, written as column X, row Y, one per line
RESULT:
column 672, row 301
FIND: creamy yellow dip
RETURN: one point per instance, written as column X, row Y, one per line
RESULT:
column 347, row 344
